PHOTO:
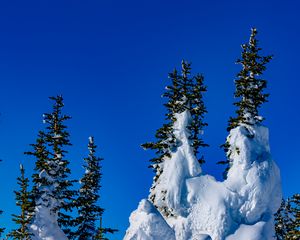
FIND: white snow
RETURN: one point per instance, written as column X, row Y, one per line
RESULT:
column 239, row 208
column 171, row 184
column 146, row 223
column 249, row 232
column 45, row 225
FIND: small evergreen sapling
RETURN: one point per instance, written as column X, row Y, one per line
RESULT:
column 250, row 90
column 24, row 201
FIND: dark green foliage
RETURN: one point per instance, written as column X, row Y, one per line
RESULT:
column 287, row 219
column 197, row 110
column 24, row 201
column 249, row 90
column 282, row 220
column 51, row 167
column 249, row 85
column 88, row 210
column 184, row 93
column 294, row 202
column 41, row 153
column 57, row 138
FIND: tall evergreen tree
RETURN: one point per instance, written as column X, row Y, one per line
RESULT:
column 57, row 138
column 24, row 201
column 184, row 93
column 87, row 203
column 250, row 89
column 88, row 209
column 52, row 188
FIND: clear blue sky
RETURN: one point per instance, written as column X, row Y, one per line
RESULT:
column 110, row 60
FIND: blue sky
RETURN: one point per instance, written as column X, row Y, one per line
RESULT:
column 110, row 60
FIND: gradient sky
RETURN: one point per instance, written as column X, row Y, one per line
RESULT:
column 110, row 60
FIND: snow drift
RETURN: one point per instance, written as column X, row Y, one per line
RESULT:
column 241, row 207
column 148, row 223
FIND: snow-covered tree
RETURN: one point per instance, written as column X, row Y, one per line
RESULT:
column 87, row 203
column 250, row 89
column 24, row 201
column 183, row 95
column 57, row 138
column 52, row 188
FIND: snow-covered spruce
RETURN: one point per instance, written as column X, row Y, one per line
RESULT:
column 52, row 189
column 243, row 205
column 183, row 95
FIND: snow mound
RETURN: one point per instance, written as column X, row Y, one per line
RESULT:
column 146, row 223
column 253, row 176
column 241, row 207
column 249, row 232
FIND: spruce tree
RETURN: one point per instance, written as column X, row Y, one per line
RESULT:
column 52, row 188
column 57, row 138
column 87, row 203
column 88, row 209
column 184, row 93
column 250, row 89
column 24, row 201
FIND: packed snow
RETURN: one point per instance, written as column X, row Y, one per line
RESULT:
column 148, row 223
column 239, row 208
column 45, row 225
column 172, row 182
